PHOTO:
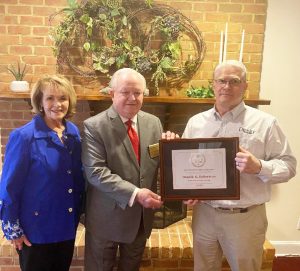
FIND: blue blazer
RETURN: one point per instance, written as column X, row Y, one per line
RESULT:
column 42, row 183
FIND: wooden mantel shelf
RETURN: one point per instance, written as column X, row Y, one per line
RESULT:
column 150, row 99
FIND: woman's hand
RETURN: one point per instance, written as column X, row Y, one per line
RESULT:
column 18, row 243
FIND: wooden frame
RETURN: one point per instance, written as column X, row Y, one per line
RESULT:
column 229, row 146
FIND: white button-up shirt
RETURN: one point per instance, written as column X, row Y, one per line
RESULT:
column 260, row 134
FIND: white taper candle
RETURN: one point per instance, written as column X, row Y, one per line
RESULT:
column 225, row 42
column 221, row 48
column 242, row 46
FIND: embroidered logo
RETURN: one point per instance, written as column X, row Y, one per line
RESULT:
column 246, row 131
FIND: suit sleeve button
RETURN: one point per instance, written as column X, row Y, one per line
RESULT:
column 70, row 190
column 70, row 210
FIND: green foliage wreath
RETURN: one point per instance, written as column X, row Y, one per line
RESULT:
column 97, row 37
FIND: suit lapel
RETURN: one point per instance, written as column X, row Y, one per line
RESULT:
column 119, row 129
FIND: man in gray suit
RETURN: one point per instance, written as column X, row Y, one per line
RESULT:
column 120, row 201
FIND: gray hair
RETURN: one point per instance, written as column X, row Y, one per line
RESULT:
column 124, row 71
column 233, row 63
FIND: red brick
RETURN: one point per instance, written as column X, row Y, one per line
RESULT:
column 6, row 261
column 10, row 268
column 5, row 131
column 31, row 20
column 5, row 105
column 56, row 3
column 40, row 30
column 23, row 30
column 33, row 2
column 256, row 9
column 11, row 2
column 8, row 19
column 34, row 60
column 35, row 41
column 11, row 115
column 186, row 263
column 205, row 6
column 44, row 51
column 230, row 8
column 20, row 10
column 21, row 50
column 8, row 40
column 6, row 124
column 20, row 106
column 166, row 263
column 43, row 11
column 182, row 5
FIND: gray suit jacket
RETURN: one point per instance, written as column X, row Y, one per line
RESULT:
column 113, row 173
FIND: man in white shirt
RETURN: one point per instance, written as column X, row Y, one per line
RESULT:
column 236, row 228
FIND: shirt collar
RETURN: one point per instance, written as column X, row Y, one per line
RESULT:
column 235, row 112
column 134, row 119
column 42, row 130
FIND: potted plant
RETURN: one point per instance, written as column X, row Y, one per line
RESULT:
column 19, row 72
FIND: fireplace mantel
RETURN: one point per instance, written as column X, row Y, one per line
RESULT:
column 149, row 99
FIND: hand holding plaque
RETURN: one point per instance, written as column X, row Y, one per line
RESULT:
column 202, row 168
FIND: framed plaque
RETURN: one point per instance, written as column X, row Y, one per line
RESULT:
column 199, row 168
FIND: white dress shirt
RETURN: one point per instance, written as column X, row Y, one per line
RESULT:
column 260, row 134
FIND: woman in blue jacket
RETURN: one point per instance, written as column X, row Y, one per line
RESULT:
column 42, row 182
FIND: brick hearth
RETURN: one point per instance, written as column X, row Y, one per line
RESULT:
column 168, row 249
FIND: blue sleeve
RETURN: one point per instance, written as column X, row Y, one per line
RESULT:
column 14, row 174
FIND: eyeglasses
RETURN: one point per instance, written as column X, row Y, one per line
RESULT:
column 127, row 94
column 232, row 82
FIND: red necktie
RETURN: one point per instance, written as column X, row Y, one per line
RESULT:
column 132, row 134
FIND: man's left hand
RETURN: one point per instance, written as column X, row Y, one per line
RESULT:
column 246, row 162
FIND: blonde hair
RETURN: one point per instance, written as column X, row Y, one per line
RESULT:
column 55, row 81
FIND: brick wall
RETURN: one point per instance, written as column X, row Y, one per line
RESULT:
column 24, row 28
column 16, row 112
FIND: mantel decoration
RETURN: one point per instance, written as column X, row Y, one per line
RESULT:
column 97, row 37
column 18, row 72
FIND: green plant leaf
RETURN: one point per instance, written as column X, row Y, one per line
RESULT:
column 102, row 17
column 85, row 18
column 101, row 68
column 126, row 45
column 120, row 60
column 72, row 4
column 124, row 20
column 166, row 63
column 18, row 72
column 87, row 46
column 175, row 49
column 200, row 92
column 89, row 31
column 114, row 13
